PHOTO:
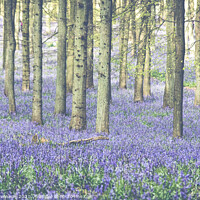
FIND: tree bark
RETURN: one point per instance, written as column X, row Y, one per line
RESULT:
column 60, row 103
column 78, row 118
column 37, row 68
column 89, row 80
column 168, row 100
column 70, row 48
column 133, row 28
column 31, row 17
column 124, row 48
column 25, row 47
column 103, row 99
column 10, row 57
column 178, row 88
column 17, row 24
column 197, row 54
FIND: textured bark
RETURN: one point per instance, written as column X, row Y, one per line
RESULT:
column 17, row 24
column 168, row 100
column 11, row 45
column 197, row 54
column 133, row 28
column 139, row 73
column 78, row 118
column 180, row 52
column 70, row 48
column 25, row 47
column 124, row 48
column 37, row 68
column 147, row 66
column 89, row 80
column 31, row 21
column 103, row 99
column 153, row 27
column 60, row 103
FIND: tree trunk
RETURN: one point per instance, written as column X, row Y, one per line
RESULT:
column 31, row 21
column 10, row 57
column 89, row 80
column 60, row 103
column 25, row 47
column 178, row 88
column 138, row 87
column 197, row 54
column 17, row 24
column 168, row 99
column 103, row 99
column 78, row 118
column 147, row 66
column 133, row 28
column 37, row 68
column 70, row 48
column 124, row 48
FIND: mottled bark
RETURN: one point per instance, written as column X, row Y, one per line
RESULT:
column 60, row 103
column 197, row 54
column 168, row 100
column 17, row 24
column 78, row 118
column 133, row 28
column 147, row 66
column 139, row 72
column 89, row 80
column 178, row 88
column 37, row 68
column 103, row 99
column 70, row 48
column 31, row 21
column 124, row 47
column 10, row 57
column 25, row 47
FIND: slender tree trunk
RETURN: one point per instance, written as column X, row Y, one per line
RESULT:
column 60, row 103
column 197, row 54
column 138, row 87
column 4, row 35
column 168, row 99
column 78, row 118
column 89, row 80
column 17, row 24
column 124, row 49
column 31, row 22
column 147, row 66
column 103, row 99
column 10, row 57
column 70, row 48
column 25, row 47
column 133, row 28
column 48, row 19
column 178, row 88
column 153, row 27
column 37, row 68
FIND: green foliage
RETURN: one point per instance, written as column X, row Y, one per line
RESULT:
column 189, row 84
column 157, row 75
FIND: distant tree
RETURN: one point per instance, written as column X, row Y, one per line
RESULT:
column 139, row 73
column 60, row 103
column 197, row 54
column 37, row 68
column 103, row 99
column 124, row 34
column 25, row 46
column 168, row 99
column 70, row 47
column 89, row 80
column 78, row 118
column 178, row 87
column 10, row 57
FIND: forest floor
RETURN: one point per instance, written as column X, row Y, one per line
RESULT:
column 140, row 159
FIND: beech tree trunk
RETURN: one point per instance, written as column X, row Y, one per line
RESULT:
column 70, row 47
column 78, row 118
column 25, row 47
column 37, row 68
column 103, row 99
column 178, row 88
column 60, row 103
